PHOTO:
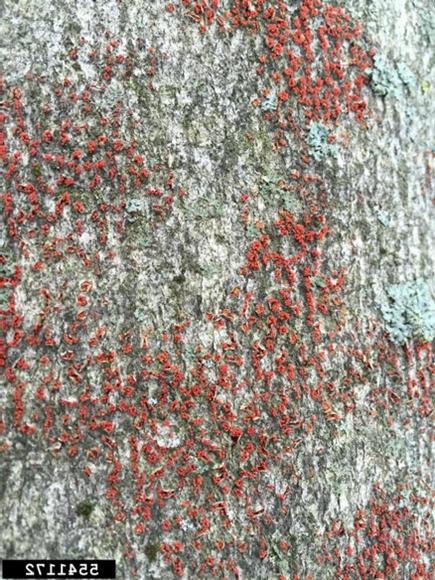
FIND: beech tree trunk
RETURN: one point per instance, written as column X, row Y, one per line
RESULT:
column 206, row 207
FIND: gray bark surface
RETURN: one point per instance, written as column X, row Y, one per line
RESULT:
column 180, row 265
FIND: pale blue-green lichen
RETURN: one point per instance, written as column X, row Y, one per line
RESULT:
column 4, row 298
column 426, row 22
column 409, row 312
column 319, row 146
column 272, row 188
column 383, row 218
column 385, row 79
column 133, row 205
column 389, row 78
column 270, row 103
column 269, row 185
column 7, row 270
column 139, row 315
column 406, row 75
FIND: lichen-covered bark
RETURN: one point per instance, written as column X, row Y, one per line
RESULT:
column 196, row 249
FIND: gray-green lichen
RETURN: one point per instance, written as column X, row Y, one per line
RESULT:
column 319, row 142
column 409, row 312
column 388, row 78
column 270, row 103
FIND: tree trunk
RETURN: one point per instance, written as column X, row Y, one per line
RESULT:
column 217, row 293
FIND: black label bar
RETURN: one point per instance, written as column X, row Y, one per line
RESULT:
column 59, row 569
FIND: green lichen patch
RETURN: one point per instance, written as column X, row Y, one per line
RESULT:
column 139, row 315
column 319, row 142
column 270, row 184
column 133, row 207
column 270, row 103
column 425, row 21
column 383, row 218
column 389, row 78
column 409, row 312
column 273, row 189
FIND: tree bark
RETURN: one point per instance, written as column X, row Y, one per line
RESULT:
column 206, row 371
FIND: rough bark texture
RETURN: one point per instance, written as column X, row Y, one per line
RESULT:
column 167, row 403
